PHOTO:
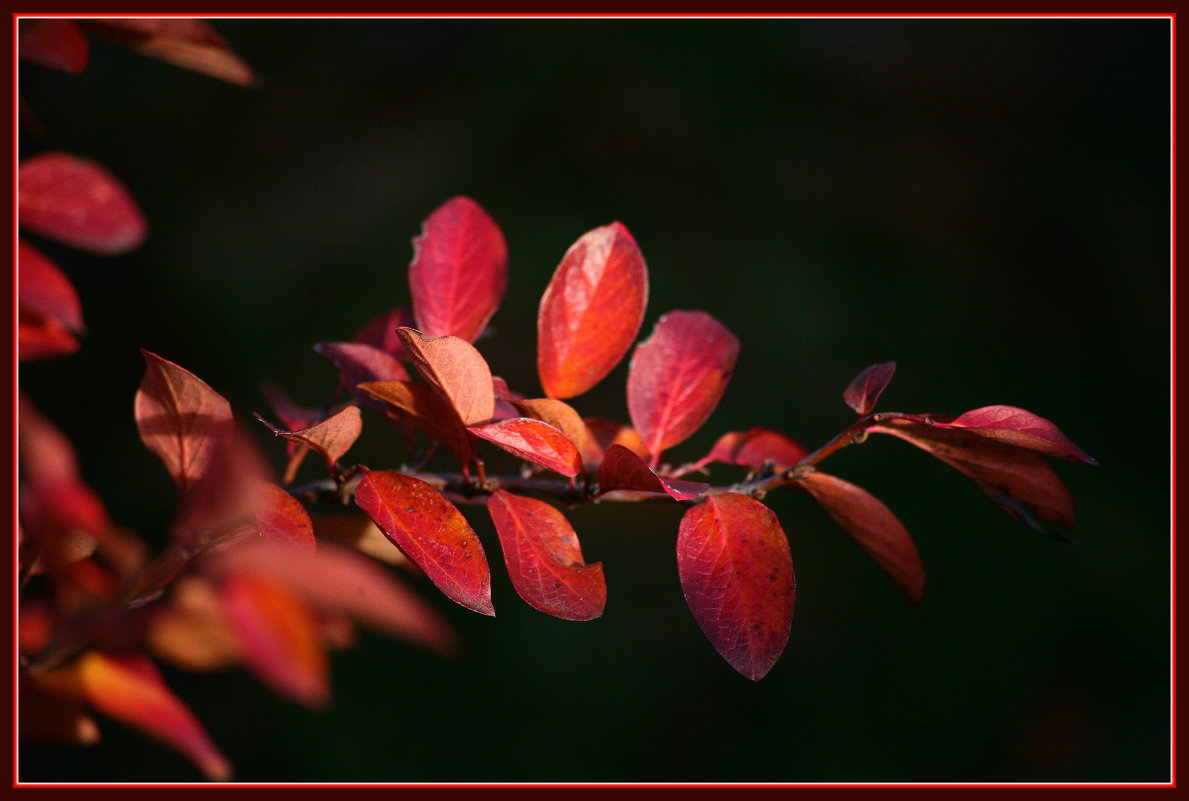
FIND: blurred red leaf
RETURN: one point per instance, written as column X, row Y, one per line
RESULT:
column 279, row 636
column 457, row 370
column 864, row 391
column 78, row 202
column 754, row 448
column 282, row 519
column 425, row 407
column 875, row 528
column 41, row 337
column 332, row 437
column 459, row 270
column 180, row 418
column 590, row 311
column 737, row 574
column 56, row 43
column 534, row 441
column 544, row 558
column 431, row 532
column 624, row 470
column 604, row 433
column 190, row 630
column 1014, row 478
column 45, row 289
column 1013, row 426
column 380, row 333
column 128, row 688
column 562, row 416
column 359, row 363
column 677, row 377
column 189, row 43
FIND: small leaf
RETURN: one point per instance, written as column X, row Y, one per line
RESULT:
column 755, row 448
column 283, row 519
column 604, row 433
column 45, row 289
column 590, row 311
column 422, row 405
column 188, row 43
column 431, row 532
column 179, row 418
column 455, row 369
column 875, row 528
column 562, row 416
column 332, row 437
column 75, row 201
column 624, row 470
column 677, row 377
column 865, row 389
column 381, row 333
column 358, row 364
column 535, row 441
column 55, row 43
column 278, row 636
column 544, row 558
column 459, row 270
column 737, row 574
column 1013, row 426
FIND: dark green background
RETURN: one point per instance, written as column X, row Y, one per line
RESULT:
column 985, row 202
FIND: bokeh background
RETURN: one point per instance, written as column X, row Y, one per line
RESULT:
column 985, row 202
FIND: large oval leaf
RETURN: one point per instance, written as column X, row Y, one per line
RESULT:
column 677, row 377
column 544, row 558
column 737, row 574
column 457, row 370
column 590, row 311
column 431, row 532
column 459, row 270
column 538, row 442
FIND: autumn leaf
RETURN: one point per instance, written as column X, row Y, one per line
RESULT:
column 624, row 470
column 755, row 448
column 535, row 441
column 43, row 288
column 188, row 43
column 590, row 311
column 565, row 419
column 544, row 558
column 604, row 433
column 457, row 370
column 427, row 408
column 864, row 391
column 431, row 532
column 40, row 337
column 677, row 377
column 1014, row 426
column 380, row 333
column 875, row 528
column 332, row 437
column 282, row 519
column 55, row 43
column 358, row 363
column 459, row 270
column 736, row 572
column 79, row 203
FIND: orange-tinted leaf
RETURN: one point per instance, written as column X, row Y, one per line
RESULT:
column 737, row 574
column 189, row 43
column 562, row 416
column 359, row 363
column 294, row 418
column 75, row 201
column 865, row 389
column 544, row 558
column 1014, row 478
column 361, row 534
column 624, row 470
column 677, row 377
column 282, row 519
column 279, row 636
column 459, row 270
column 534, row 441
column 48, row 718
column 190, row 630
column 129, row 689
column 431, row 532
column 180, row 418
column 754, row 448
column 56, row 43
column 380, row 333
column 1013, row 426
column 41, row 337
column 46, row 290
column 590, row 311
column 455, row 369
column 882, row 536
column 332, row 437
column 604, row 433
column 425, row 407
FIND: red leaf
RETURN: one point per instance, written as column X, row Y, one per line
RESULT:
column 42, row 337
column 75, row 201
column 423, row 406
column 624, row 470
column 544, row 558
column 1011, row 476
column 755, row 448
column 535, row 441
column 562, row 416
column 292, row 416
column 56, row 43
column 278, row 635
column 459, row 270
column 882, row 536
column 677, row 377
column 604, row 433
column 1019, row 427
column 590, row 311
column 332, row 437
column 867, row 386
column 359, row 363
column 455, row 369
column 179, row 418
column 189, row 43
column 45, row 289
column 128, row 688
column 737, row 574
column 431, row 532
column 282, row 519
column 381, row 333
column 228, row 496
